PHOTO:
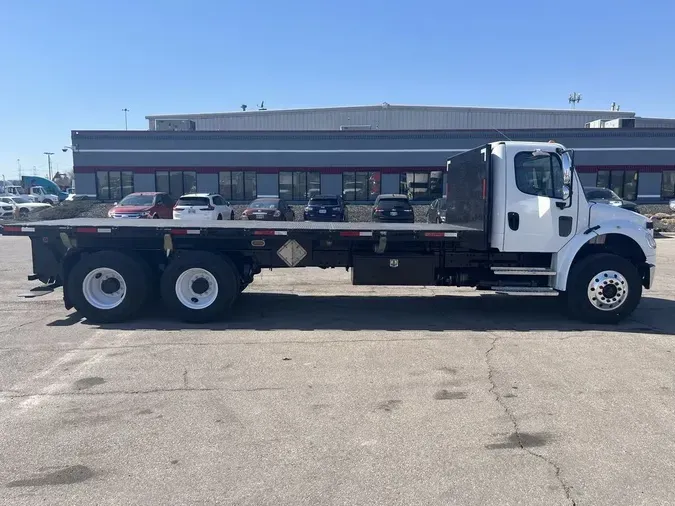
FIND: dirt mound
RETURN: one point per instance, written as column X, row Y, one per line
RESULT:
column 77, row 209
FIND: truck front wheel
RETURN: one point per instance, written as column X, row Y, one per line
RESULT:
column 603, row 288
column 108, row 286
column 198, row 286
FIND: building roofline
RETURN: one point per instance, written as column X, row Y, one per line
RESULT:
column 386, row 106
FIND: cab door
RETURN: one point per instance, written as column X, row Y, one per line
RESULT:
column 538, row 217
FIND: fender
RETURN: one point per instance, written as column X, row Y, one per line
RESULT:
column 563, row 259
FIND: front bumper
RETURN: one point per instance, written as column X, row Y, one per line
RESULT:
column 129, row 216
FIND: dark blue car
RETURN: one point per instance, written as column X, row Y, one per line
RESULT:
column 325, row 208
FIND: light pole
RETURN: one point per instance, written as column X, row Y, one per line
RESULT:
column 126, row 125
column 49, row 162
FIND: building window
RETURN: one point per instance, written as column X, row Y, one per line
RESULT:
column 299, row 185
column 622, row 182
column 176, row 182
column 668, row 184
column 422, row 185
column 237, row 185
column 360, row 185
column 114, row 184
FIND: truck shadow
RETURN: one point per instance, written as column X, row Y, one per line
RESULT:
column 280, row 311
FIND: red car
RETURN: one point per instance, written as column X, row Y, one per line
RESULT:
column 143, row 205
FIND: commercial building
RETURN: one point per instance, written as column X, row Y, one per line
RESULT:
column 393, row 117
column 637, row 163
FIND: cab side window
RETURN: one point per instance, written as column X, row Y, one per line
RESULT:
column 539, row 175
column 218, row 201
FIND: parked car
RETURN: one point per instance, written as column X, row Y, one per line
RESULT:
column 143, row 205
column 205, row 206
column 393, row 208
column 23, row 206
column 42, row 196
column 437, row 211
column 325, row 208
column 6, row 210
column 607, row 196
column 17, row 191
column 269, row 209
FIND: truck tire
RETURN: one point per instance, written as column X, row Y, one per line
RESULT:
column 199, row 287
column 603, row 288
column 108, row 286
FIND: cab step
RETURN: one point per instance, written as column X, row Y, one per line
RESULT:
column 541, row 291
column 523, row 271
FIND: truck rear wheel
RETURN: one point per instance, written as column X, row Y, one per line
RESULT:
column 603, row 288
column 108, row 286
column 199, row 287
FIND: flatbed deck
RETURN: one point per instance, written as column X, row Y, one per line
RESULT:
column 242, row 225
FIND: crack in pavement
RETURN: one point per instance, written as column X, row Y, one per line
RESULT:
column 516, row 428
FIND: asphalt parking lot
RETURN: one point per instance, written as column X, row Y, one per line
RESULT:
column 317, row 392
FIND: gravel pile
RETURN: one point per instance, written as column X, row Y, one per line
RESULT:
column 663, row 222
column 69, row 210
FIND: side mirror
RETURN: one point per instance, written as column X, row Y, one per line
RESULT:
column 567, row 167
column 114, row 203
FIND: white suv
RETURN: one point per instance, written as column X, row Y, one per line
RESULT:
column 205, row 206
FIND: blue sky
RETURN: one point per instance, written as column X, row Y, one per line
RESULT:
column 74, row 64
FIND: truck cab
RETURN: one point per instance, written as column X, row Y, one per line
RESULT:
column 42, row 196
column 533, row 206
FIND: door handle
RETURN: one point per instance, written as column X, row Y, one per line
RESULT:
column 514, row 220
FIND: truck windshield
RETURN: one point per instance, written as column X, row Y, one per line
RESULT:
column 193, row 201
column 137, row 200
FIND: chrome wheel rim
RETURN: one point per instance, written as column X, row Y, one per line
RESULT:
column 196, row 288
column 104, row 288
column 608, row 290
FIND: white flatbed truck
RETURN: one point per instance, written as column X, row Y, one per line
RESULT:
column 517, row 223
